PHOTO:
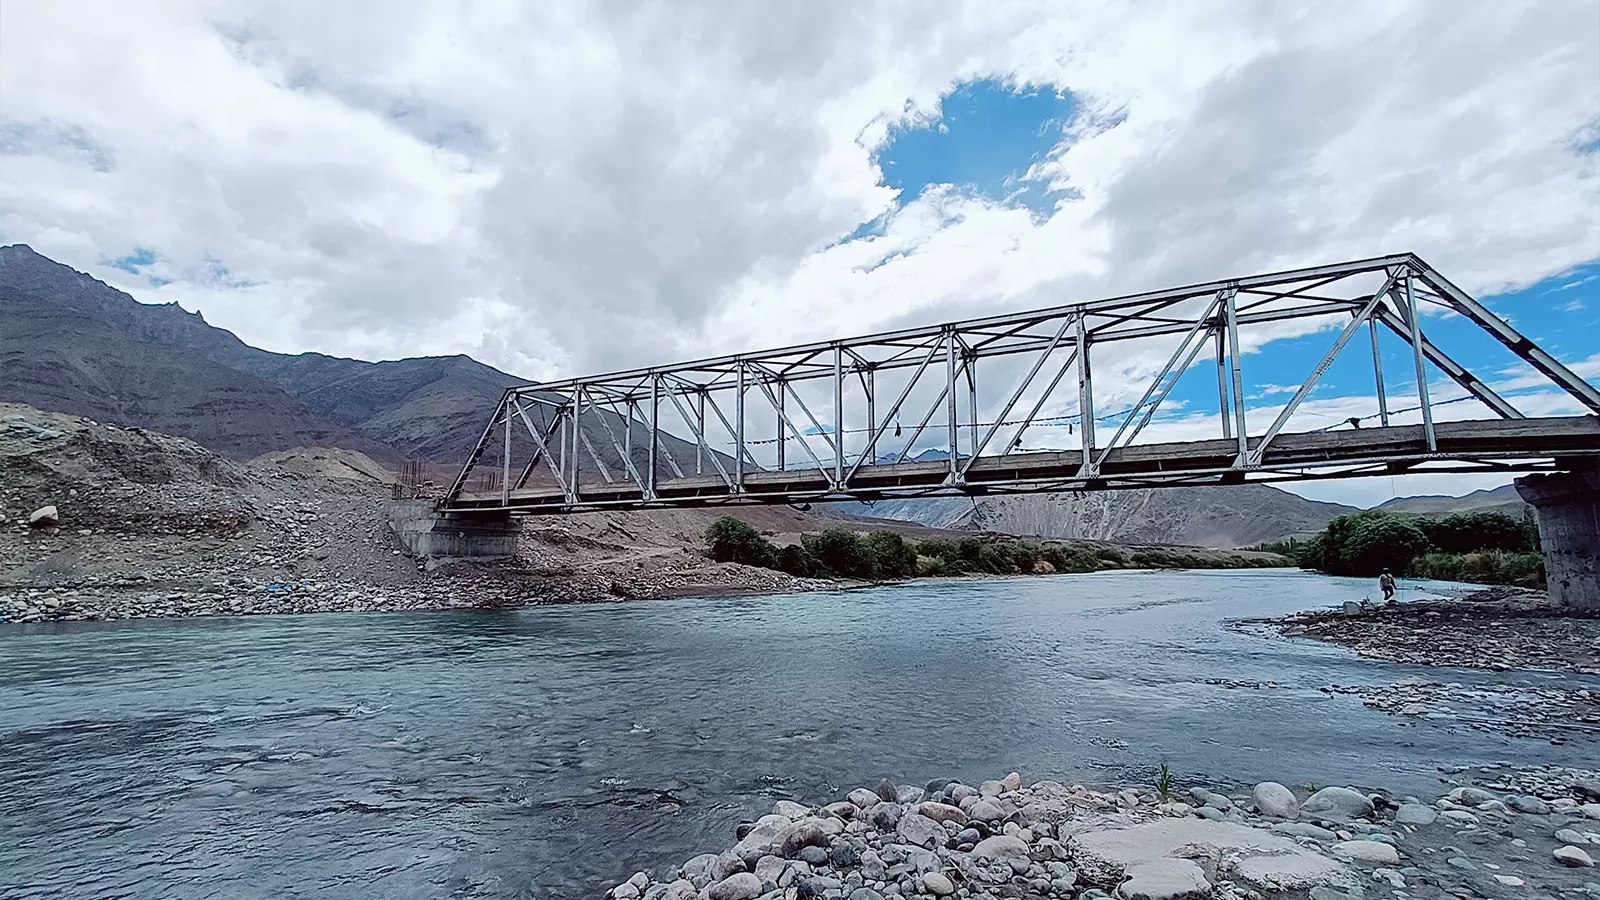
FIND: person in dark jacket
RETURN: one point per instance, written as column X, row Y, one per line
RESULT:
column 1386, row 584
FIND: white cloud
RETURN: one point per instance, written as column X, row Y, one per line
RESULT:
column 564, row 188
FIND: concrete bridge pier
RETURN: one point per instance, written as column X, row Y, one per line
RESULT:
column 1569, row 532
column 429, row 534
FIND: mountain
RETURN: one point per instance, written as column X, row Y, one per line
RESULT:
column 1503, row 499
column 1210, row 516
column 431, row 408
column 56, row 359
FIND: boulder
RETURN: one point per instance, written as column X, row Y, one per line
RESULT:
column 937, row 884
column 1001, row 846
column 887, row 791
column 1336, row 804
column 44, row 517
column 1368, row 851
column 1273, row 799
column 919, row 830
column 1012, row 782
column 1573, row 858
column 739, row 886
column 1415, row 814
column 885, row 815
column 1103, row 856
column 1165, row 879
column 943, row 812
column 985, row 810
column 1533, row 806
column 864, row 798
column 790, row 809
column 802, row 835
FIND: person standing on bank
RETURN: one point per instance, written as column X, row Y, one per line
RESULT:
column 1386, row 584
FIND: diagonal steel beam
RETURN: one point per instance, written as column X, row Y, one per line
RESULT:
column 1531, row 353
column 700, row 441
column 1327, row 360
column 1016, row 395
column 772, row 399
column 1458, row 373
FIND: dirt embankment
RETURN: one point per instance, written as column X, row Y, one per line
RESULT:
column 152, row 525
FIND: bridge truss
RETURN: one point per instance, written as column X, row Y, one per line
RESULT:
column 845, row 419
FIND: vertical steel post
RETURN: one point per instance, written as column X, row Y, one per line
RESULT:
column 838, row 416
column 505, row 460
column 972, row 406
column 1238, row 377
column 1377, row 372
column 1415, row 315
column 871, row 453
column 561, row 447
column 655, row 409
column 577, row 435
column 627, row 441
column 950, row 396
column 782, row 393
column 700, row 423
column 738, row 437
column 1222, row 382
column 1085, row 390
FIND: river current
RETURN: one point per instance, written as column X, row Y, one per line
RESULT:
column 549, row 752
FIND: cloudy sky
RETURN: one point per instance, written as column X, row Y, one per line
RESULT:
column 559, row 189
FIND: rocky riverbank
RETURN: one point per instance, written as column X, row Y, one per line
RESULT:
column 1527, row 835
column 1496, row 628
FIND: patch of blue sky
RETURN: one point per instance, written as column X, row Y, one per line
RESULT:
column 1561, row 314
column 986, row 137
column 133, row 262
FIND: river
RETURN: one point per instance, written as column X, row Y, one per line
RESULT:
column 548, row 752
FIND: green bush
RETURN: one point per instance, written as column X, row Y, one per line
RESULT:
column 1112, row 555
column 1469, row 532
column 1482, row 567
column 996, row 559
column 890, row 555
column 1377, row 543
column 731, row 540
column 931, row 567
column 840, row 551
column 796, row 560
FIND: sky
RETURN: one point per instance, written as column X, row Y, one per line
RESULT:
column 560, row 189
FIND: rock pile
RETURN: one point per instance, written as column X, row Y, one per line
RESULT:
column 1002, row 839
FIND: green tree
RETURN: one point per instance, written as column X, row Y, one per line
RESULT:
column 1376, row 543
column 1473, row 531
column 797, row 560
column 732, row 540
column 891, row 556
column 841, row 552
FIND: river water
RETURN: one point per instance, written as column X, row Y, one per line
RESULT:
column 547, row 752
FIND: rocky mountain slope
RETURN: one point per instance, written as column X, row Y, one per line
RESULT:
column 1223, row 517
column 58, row 359
column 429, row 408
column 1503, row 499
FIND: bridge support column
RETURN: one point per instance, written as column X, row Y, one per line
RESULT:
column 1569, row 532
column 427, row 533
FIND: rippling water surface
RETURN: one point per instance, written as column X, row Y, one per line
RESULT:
column 547, row 752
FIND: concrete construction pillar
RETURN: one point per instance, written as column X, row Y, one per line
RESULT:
column 1568, row 504
column 433, row 535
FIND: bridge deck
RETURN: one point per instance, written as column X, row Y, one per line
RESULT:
column 1516, row 441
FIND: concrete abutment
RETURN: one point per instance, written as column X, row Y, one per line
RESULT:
column 427, row 533
column 1568, row 504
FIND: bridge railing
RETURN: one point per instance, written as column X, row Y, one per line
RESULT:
column 826, row 420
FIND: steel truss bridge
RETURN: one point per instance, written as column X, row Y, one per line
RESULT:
column 855, row 419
